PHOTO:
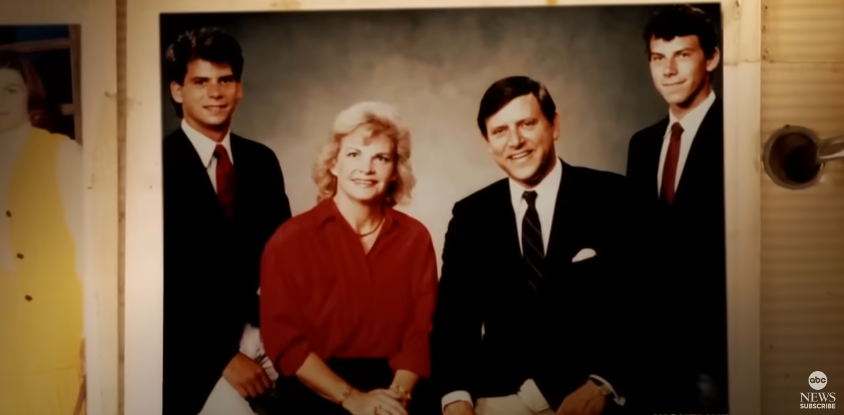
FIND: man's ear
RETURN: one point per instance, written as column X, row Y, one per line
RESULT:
column 556, row 126
column 713, row 61
column 176, row 92
column 487, row 144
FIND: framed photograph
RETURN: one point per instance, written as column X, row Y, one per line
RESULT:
column 442, row 208
column 58, row 119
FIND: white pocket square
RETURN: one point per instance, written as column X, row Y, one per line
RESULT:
column 584, row 253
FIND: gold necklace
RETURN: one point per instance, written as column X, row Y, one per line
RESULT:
column 364, row 235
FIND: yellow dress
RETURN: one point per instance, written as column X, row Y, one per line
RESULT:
column 41, row 316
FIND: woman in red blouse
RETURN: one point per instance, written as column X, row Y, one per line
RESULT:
column 348, row 288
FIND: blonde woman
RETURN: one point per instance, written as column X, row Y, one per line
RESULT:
column 348, row 288
column 40, row 288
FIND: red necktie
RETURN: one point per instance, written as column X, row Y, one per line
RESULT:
column 225, row 180
column 669, row 171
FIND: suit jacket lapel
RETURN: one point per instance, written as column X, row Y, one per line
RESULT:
column 242, row 174
column 560, row 239
column 653, row 152
column 506, row 216
column 195, row 174
column 702, row 148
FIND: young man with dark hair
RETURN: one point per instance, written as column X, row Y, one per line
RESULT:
column 677, row 171
column 525, row 320
column 224, row 197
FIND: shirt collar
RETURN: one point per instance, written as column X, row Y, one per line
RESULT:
column 694, row 118
column 327, row 210
column 546, row 190
column 205, row 146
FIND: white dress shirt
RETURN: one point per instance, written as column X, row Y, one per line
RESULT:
column 690, row 123
column 71, row 187
column 546, row 201
column 205, row 148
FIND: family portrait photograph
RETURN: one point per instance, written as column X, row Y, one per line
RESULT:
column 462, row 211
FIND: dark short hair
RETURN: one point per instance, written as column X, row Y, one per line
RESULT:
column 39, row 108
column 499, row 94
column 682, row 20
column 210, row 44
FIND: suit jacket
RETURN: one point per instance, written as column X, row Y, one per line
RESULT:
column 211, row 264
column 685, row 262
column 557, row 335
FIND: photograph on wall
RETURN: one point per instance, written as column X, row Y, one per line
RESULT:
column 41, row 228
column 514, row 210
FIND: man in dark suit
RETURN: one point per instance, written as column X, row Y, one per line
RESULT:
column 676, row 168
column 525, row 321
column 224, row 197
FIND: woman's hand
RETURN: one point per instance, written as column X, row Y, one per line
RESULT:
column 400, row 391
column 376, row 402
column 403, row 384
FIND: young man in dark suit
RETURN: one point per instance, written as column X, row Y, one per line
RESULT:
column 525, row 321
column 224, row 197
column 676, row 167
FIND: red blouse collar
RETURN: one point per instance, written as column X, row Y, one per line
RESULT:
column 327, row 209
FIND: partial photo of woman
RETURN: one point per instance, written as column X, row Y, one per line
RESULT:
column 40, row 239
column 348, row 288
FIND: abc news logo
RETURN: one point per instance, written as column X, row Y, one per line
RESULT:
column 817, row 400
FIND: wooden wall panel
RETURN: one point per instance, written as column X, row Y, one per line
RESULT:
column 802, row 281
column 803, row 30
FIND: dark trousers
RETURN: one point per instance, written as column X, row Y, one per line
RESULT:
column 294, row 398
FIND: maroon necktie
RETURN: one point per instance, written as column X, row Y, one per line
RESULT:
column 225, row 180
column 669, row 171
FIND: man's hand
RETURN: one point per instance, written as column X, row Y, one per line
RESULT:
column 246, row 376
column 459, row 408
column 588, row 399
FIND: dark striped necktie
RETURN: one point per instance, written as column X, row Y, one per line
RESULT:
column 533, row 251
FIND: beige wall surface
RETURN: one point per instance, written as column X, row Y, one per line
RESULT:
column 802, row 289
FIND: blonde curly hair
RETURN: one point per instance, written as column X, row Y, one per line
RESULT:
column 378, row 119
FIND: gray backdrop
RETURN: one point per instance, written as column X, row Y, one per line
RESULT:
column 303, row 68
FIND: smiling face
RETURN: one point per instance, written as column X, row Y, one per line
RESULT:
column 208, row 96
column 13, row 100
column 521, row 140
column 681, row 71
column 365, row 166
